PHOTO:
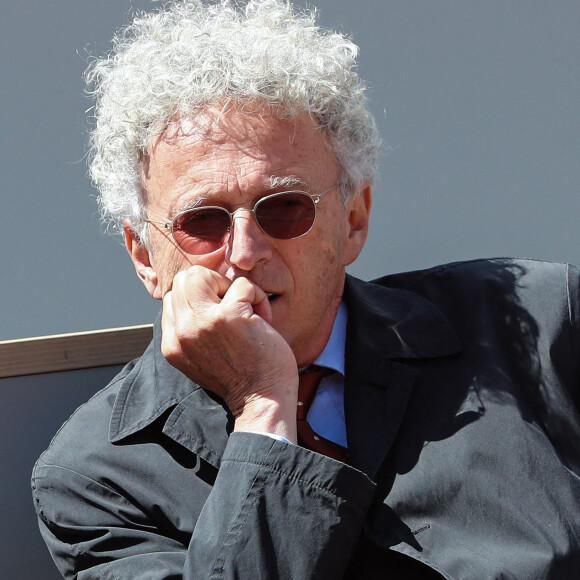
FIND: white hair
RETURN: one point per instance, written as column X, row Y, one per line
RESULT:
column 189, row 55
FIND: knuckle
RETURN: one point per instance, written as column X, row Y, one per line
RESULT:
column 180, row 279
column 194, row 270
column 242, row 286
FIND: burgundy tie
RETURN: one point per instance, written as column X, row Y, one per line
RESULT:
column 307, row 386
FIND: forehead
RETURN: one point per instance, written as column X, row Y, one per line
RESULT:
column 234, row 155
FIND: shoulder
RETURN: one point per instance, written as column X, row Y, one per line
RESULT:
column 510, row 296
column 503, row 271
column 523, row 281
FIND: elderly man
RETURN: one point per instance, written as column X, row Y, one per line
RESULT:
column 288, row 421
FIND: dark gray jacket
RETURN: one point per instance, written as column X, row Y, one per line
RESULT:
column 461, row 400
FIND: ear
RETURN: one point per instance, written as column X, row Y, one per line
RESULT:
column 141, row 260
column 358, row 209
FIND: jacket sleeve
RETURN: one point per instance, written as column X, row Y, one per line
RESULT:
column 275, row 511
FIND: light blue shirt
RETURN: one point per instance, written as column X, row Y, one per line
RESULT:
column 326, row 414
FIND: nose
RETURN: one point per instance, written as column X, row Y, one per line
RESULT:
column 248, row 245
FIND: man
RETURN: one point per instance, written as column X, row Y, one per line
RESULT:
column 233, row 146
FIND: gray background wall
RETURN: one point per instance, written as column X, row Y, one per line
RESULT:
column 478, row 103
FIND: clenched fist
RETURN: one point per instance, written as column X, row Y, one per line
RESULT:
column 217, row 332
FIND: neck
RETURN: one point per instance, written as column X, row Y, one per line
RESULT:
column 308, row 355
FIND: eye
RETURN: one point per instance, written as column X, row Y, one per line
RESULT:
column 210, row 222
column 286, row 215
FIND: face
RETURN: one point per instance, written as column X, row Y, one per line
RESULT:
column 232, row 160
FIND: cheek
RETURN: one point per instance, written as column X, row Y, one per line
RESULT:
column 167, row 261
column 171, row 260
column 318, row 270
column 329, row 271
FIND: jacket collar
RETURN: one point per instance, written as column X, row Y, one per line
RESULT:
column 398, row 323
column 153, row 388
column 387, row 329
column 383, row 325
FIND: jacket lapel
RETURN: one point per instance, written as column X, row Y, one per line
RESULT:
column 385, row 329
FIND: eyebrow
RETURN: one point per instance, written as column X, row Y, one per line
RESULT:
column 276, row 182
column 192, row 204
column 287, row 181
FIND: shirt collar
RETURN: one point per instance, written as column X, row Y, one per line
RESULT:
column 332, row 356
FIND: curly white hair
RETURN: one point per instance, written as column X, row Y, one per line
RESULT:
column 190, row 54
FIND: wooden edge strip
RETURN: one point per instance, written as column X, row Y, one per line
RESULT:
column 80, row 350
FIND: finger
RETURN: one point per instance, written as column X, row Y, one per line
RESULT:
column 263, row 309
column 247, row 299
column 198, row 285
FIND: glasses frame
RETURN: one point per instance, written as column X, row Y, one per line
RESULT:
column 170, row 224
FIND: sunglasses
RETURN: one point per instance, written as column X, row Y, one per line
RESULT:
column 283, row 216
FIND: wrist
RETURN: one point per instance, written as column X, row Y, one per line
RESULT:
column 263, row 415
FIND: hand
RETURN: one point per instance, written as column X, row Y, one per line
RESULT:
column 217, row 333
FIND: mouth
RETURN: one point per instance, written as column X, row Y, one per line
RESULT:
column 272, row 297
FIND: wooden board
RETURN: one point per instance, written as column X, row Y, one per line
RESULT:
column 46, row 354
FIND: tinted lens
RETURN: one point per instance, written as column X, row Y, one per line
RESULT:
column 202, row 230
column 286, row 215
